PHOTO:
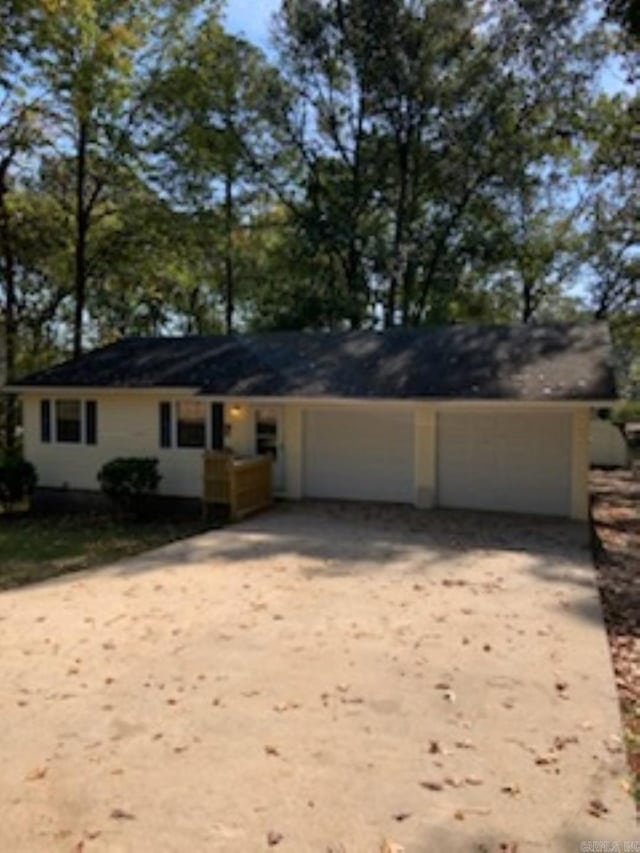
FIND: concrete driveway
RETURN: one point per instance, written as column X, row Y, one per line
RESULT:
column 319, row 678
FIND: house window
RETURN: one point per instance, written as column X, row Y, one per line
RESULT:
column 191, row 423
column 68, row 421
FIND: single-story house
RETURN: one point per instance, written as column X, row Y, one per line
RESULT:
column 491, row 418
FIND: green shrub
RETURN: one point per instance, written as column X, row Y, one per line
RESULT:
column 18, row 480
column 625, row 411
column 129, row 482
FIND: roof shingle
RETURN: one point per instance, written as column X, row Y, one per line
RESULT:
column 528, row 362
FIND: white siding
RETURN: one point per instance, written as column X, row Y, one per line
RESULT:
column 510, row 461
column 128, row 425
column 359, row 454
column 608, row 447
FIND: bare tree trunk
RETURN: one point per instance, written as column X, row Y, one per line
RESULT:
column 82, row 228
column 8, row 270
column 228, row 258
column 398, row 261
column 528, row 306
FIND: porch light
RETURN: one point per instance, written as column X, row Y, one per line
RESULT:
column 236, row 411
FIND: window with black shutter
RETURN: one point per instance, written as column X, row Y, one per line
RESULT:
column 45, row 421
column 91, row 421
column 165, row 425
column 217, row 426
column 68, row 421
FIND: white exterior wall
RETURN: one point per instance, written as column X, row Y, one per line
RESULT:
column 128, row 425
column 608, row 447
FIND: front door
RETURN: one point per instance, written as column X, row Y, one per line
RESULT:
column 268, row 431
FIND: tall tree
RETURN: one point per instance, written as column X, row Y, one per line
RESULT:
column 207, row 107
column 86, row 61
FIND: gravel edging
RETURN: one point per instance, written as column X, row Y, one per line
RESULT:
column 615, row 524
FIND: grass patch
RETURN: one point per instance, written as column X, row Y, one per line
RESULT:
column 34, row 548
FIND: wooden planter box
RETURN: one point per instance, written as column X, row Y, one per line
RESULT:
column 242, row 484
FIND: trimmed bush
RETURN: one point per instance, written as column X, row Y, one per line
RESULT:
column 129, row 483
column 18, row 480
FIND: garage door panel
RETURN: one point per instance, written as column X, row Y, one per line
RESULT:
column 364, row 455
column 505, row 461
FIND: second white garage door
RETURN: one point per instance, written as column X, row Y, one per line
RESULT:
column 359, row 455
column 505, row 461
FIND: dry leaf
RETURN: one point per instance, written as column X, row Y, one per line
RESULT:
column 121, row 814
column 559, row 743
column 597, row 808
column 391, row 847
column 431, row 786
column 400, row 816
column 271, row 750
column 459, row 814
column 274, row 838
column 36, row 774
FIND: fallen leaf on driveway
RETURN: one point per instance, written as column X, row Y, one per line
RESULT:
column 473, row 780
column 274, row 838
column 434, row 747
column 471, row 810
column 121, row 814
column 432, row 786
column 36, row 774
column 400, row 816
column 544, row 760
column 559, row 743
column 271, row 750
column 286, row 706
column 391, row 847
column 464, row 744
column 512, row 790
column 597, row 808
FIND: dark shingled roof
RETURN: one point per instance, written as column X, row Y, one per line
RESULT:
column 528, row 362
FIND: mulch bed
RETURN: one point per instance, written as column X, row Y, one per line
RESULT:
column 615, row 513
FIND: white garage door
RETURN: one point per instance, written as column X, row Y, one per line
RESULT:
column 363, row 455
column 511, row 462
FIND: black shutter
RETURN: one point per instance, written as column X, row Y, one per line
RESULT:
column 217, row 426
column 91, row 422
column 45, row 420
column 165, row 425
